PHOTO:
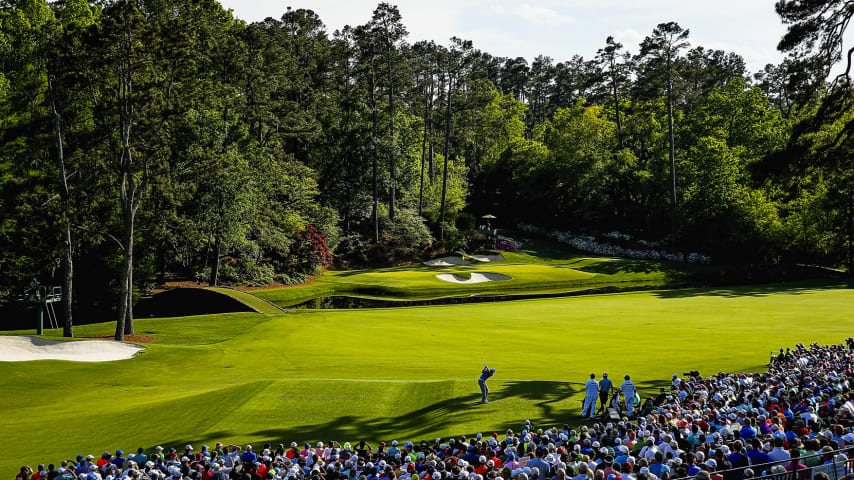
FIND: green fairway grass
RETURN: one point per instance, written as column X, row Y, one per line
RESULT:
column 406, row 373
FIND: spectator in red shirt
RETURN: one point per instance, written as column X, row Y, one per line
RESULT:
column 40, row 473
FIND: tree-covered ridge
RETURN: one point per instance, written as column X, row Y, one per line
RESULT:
column 142, row 140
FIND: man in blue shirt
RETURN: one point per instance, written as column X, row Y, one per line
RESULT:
column 756, row 455
column 747, row 431
column 248, row 456
column 484, row 376
column 537, row 461
column 604, row 389
column 119, row 461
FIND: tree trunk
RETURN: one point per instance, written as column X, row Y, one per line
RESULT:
column 617, row 108
column 131, row 186
column 215, row 267
column 375, row 199
column 391, row 139
column 68, row 253
column 445, row 169
column 125, row 274
column 423, row 149
column 431, row 170
column 129, row 330
column 67, row 283
column 672, row 157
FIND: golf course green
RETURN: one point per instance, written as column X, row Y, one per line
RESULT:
column 405, row 373
column 540, row 269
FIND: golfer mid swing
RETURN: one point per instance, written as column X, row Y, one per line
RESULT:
column 484, row 376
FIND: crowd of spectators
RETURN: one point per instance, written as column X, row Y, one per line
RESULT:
column 795, row 416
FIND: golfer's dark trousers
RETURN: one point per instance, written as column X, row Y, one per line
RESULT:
column 603, row 400
column 484, row 390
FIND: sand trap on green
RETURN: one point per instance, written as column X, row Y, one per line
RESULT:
column 446, row 262
column 488, row 258
column 25, row 349
column 474, row 278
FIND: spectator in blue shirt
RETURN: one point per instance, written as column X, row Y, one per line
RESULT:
column 248, row 456
column 756, row 455
column 747, row 431
column 119, row 461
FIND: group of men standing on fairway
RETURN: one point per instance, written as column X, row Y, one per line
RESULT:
column 602, row 389
column 592, row 389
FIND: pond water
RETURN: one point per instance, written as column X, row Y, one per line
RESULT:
column 347, row 302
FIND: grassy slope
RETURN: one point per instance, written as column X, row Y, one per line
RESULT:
column 404, row 373
column 255, row 303
column 543, row 267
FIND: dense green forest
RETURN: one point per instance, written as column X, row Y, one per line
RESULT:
column 147, row 140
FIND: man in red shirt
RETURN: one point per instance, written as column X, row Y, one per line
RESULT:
column 40, row 473
column 481, row 468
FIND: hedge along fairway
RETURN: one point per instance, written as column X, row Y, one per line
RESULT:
column 405, row 373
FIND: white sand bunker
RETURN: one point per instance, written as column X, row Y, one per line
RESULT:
column 446, row 262
column 23, row 349
column 488, row 258
column 475, row 278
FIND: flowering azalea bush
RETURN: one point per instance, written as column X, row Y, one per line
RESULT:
column 506, row 244
column 312, row 249
column 644, row 250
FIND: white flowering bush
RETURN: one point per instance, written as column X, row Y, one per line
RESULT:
column 528, row 228
column 618, row 236
column 648, row 250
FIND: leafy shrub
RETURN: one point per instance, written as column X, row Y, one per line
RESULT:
column 477, row 241
column 292, row 279
column 243, row 271
column 310, row 252
column 454, row 239
column 403, row 237
column 465, row 221
column 407, row 230
column 354, row 250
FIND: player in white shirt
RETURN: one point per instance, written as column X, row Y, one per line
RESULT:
column 591, row 387
column 628, row 388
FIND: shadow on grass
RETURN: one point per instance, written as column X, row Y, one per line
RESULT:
column 765, row 290
column 552, row 398
column 621, row 266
